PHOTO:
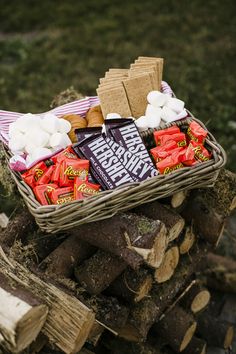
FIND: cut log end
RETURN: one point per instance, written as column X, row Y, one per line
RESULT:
column 188, row 336
column 176, row 229
column 229, row 337
column 233, row 204
column 178, row 199
column 144, row 289
column 187, row 241
column 200, row 301
column 196, row 346
column 168, row 265
column 154, row 256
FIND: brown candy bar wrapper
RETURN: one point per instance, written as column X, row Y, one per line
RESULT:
column 128, row 136
column 104, row 162
column 85, row 133
column 42, row 193
column 84, row 189
column 138, row 169
column 62, row 195
column 111, row 123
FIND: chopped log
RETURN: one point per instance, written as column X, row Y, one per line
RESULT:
column 17, row 229
column 178, row 198
column 132, row 286
column 99, row 271
column 186, row 240
column 134, row 239
column 206, row 222
column 66, row 256
column 95, row 333
column 22, row 315
column 196, row 299
column 220, row 273
column 177, row 327
column 68, row 322
column 36, row 346
column 196, row 346
column 215, row 331
column 173, row 221
column 146, row 312
column 169, row 263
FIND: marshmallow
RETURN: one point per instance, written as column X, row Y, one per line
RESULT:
column 156, row 98
column 39, row 153
column 152, row 111
column 37, row 137
column 153, row 122
column 59, row 140
column 168, row 115
column 64, row 126
column 175, row 104
column 30, row 147
column 13, row 130
column 28, row 121
column 113, row 115
column 142, row 123
column 17, row 143
column 50, row 123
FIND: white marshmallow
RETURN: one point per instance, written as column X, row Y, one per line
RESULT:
column 175, row 104
column 27, row 122
column 142, row 123
column 153, row 121
column 113, row 115
column 59, row 140
column 157, row 98
column 40, row 152
column 37, row 137
column 13, row 130
column 168, row 115
column 152, row 111
column 64, row 126
column 50, row 123
column 17, row 143
column 29, row 160
column 30, row 147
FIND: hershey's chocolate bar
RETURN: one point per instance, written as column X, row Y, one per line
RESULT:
column 128, row 136
column 104, row 162
column 138, row 169
column 84, row 133
column 111, row 123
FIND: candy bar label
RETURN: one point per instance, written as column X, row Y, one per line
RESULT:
column 173, row 168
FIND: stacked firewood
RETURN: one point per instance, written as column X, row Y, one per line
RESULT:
column 128, row 284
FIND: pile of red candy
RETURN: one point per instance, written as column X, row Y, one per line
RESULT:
column 61, row 179
column 176, row 149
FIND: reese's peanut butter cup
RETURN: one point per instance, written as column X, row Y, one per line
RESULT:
column 196, row 133
column 84, row 189
column 66, row 153
column 62, row 195
column 32, row 175
column 168, row 131
column 160, row 153
column 179, row 138
column 70, row 169
column 200, row 152
column 42, row 193
column 170, row 163
column 46, row 177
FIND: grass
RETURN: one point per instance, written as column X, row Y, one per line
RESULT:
column 48, row 46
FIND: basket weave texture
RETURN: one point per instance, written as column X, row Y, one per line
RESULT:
column 56, row 218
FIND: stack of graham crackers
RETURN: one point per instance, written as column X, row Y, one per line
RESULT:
column 125, row 91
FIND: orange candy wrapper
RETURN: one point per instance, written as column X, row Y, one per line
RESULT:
column 70, row 169
column 200, row 152
column 46, row 177
column 169, row 131
column 196, row 133
column 42, row 193
column 32, row 176
column 160, row 153
column 67, row 153
column 84, row 189
column 62, row 195
column 179, row 138
column 170, row 163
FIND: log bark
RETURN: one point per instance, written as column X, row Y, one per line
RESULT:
column 220, row 273
column 173, row 221
column 196, row 299
column 134, row 239
column 196, row 346
column 68, row 322
column 177, row 328
column 169, row 263
column 132, row 286
column 66, row 256
column 99, row 271
column 216, row 332
column 186, row 240
column 22, row 315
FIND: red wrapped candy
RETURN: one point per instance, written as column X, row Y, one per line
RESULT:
column 42, row 193
column 32, row 175
column 84, row 189
column 70, row 169
column 187, row 156
column 196, row 133
column 170, row 163
column 200, row 152
column 168, row 131
column 179, row 138
column 160, row 152
column 62, row 195
column 46, row 177
column 66, row 153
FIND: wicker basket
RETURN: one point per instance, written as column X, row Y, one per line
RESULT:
column 55, row 218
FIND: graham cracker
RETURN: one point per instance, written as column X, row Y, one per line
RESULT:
column 114, row 100
column 137, row 72
column 110, row 85
column 137, row 89
column 121, row 71
column 149, row 66
column 159, row 63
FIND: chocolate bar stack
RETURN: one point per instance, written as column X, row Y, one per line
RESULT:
column 124, row 91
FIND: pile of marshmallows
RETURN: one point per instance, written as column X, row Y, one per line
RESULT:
column 35, row 136
column 160, row 107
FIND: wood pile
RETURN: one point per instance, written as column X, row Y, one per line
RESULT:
column 136, row 283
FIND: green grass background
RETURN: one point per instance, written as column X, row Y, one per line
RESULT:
column 47, row 46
